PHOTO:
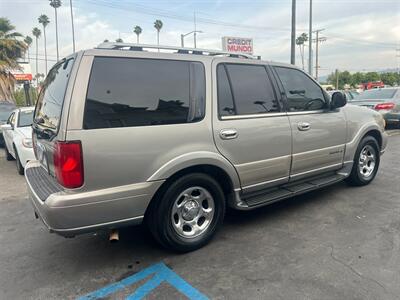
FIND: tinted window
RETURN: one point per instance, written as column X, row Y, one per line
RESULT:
column 139, row 92
column 51, row 98
column 377, row 94
column 25, row 118
column 226, row 106
column 252, row 90
column 302, row 93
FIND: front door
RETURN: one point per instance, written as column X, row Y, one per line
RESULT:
column 9, row 134
column 319, row 134
column 250, row 128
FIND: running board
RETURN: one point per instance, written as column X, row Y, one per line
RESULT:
column 255, row 199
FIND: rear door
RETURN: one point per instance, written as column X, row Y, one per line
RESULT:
column 250, row 128
column 319, row 133
column 47, row 116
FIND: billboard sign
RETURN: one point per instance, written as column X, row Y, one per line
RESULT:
column 237, row 44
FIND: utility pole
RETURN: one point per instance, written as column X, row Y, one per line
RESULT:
column 293, row 36
column 310, row 42
column 398, row 64
column 317, row 40
column 195, row 30
column 337, row 79
column 73, row 29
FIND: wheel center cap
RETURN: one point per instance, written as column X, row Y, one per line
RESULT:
column 190, row 210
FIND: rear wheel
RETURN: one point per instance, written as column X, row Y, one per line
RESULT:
column 186, row 216
column 366, row 162
column 20, row 168
column 8, row 155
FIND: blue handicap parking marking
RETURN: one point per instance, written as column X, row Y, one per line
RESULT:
column 160, row 274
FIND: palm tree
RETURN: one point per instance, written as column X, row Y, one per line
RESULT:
column 28, row 41
column 138, row 31
column 11, row 49
column 44, row 20
column 158, row 25
column 36, row 33
column 119, row 40
column 56, row 4
column 300, row 41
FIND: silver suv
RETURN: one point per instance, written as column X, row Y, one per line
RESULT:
column 125, row 134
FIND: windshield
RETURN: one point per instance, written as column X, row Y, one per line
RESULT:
column 5, row 112
column 25, row 118
column 376, row 94
column 51, row 98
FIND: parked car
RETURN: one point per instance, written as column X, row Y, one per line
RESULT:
column 5, row 110
column 18, row 137
column 124, row 135
column 386, row 101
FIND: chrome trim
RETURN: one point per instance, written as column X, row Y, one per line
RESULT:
column 265, row 182
column 253, row 116
column 295, row 113
column 315, row 170
column 261, row 161
column 320, row 149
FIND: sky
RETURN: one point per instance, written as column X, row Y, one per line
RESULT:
column 361, row 35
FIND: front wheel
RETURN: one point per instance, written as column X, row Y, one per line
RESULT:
column 20, row 167
column 186, row 216
column 366, row 162
column 9, row 157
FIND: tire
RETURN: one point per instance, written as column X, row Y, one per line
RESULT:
column 186, row 223
column 366, row 162
column 20, row 168
column 9, row 157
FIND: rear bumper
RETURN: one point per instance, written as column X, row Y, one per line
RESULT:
column 391, row 117
column 69, row 213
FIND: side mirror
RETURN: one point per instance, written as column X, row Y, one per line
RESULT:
column 338, row 100
column 6, row 127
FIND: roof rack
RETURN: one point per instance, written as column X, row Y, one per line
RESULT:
column 180, row 50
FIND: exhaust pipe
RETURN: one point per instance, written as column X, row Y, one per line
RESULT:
column 114, row 236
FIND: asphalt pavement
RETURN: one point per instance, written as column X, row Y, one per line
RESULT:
column 337, row 243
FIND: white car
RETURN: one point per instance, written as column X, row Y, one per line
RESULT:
column 18, row 137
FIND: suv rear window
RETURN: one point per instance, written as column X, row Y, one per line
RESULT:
column 125, row 92
column 51, row 97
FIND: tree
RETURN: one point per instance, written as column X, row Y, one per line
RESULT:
column 138, row 31
column 158, row 25
column 44, row 20
column 300, row 41
column 357, row 78
column 28, row 41
column 105, row 41
column 119, row 40
column 389, row 78
column 11, row 48
column 36, row 33
column 56, row 4
column 372, row 76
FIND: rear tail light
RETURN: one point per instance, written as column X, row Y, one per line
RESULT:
column 385, row 106
column 68, row 164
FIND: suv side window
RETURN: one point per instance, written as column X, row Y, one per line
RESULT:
column 226, row 106
column 125, row 92
column 302, row 93
column 250, row 90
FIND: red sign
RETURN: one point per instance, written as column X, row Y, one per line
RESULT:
column 23, row 77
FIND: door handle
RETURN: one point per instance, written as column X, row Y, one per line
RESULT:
column 228, row 134
column 303, row 126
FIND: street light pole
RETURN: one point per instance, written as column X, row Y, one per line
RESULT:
column 73, row 29
column 293, row 36
column 183, row 37
column 310, row 42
